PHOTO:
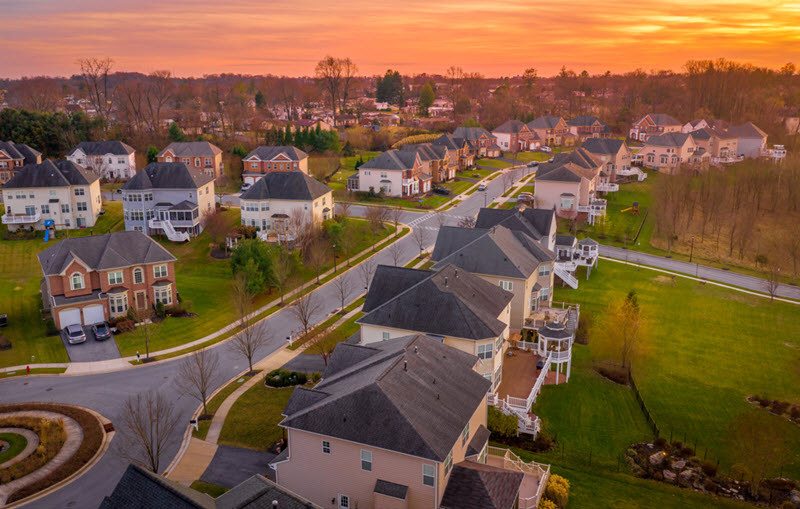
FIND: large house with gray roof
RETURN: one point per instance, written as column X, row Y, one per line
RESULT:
column 481, row 142
column 570, row 183
column 457, row 150
column 400, row 423
column 588, row 127
column 397, row 173
column 654, row 124
column 552, row 130
column 267, row 159
column 88, row 280
column 167, row 199
column 110, row 159
column 13, row 156
column 201, row 156
column 435, row 160
column 667, row 152
column 515, row 135
column 57, row 195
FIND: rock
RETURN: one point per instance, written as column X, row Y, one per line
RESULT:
column 686, row 476
column 794, row 497
column 650, row 445
column 678, row 465
column 669, row 475
column 657, row 458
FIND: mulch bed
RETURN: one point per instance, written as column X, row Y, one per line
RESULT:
column 92, row 441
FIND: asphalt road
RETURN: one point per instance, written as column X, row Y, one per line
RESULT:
column 106, row 392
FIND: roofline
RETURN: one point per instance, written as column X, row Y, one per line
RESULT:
column 426, row 334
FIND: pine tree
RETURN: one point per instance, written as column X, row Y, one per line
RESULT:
column 288, row 139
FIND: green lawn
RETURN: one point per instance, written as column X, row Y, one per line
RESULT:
column 209, row 489
column 458, row 186
column 253, row 419
column 527, row 188
column 508, row 205
column 214, row 403
column 493, row 163
column 17, row 444
column 481, row 173
column 526, row 157
column 312, row 334
column 707, row 349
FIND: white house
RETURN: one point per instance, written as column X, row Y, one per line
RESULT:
column 395, row 172
column 109, row 159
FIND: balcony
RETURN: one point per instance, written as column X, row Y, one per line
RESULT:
column 727, row 160
column 536, row 475
column 21, row 218
column 607, row 187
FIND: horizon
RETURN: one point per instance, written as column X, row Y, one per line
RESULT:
column 46, row 38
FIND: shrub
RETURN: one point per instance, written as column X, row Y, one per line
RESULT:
column 795, row 412
column 710, row 486
column 557, row 490
column 161, row 310
column 50, row 325
column 125, row 326
column 779, row 407
column 132, row 315
column 660, row 442
column 617, row 375
column 677, row 446
column 709, row 468
column 501, row 424
column 762, row 400
column 547, row 504
column 787, row 504
column 739, row 472
column 285, row 378
column 544, row 441
column 687, row 452
column 658, row 476
column 584, row 325
column 316, row 377
column 248, row 232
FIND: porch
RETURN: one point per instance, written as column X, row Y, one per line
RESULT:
column 534, row 481
column 521, row 370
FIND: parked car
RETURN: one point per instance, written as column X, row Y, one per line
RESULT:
column 75, row 334
column 533, row 164
column 525, row 197
column 441, row 190
column 101, row 331
column 482, row 187
column 545, row 148
column 247, row 186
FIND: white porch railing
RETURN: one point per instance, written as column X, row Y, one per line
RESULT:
column 565, row 276
column 559, row 356
column 607, row 187
column 21, row 218
column 169, row 230
column 537, row 470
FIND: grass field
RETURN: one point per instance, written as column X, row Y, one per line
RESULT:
column 493, row 163
column 209, row 489
column 707, row 349
column 213, row 406
column 16, row 444
column 481, row 173
column 253, row 419
column 526, row 157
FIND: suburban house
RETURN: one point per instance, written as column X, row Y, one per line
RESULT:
column 401, row 424
column 200, row 156
column 457, row 150
column 615, row 156
column 701, row 123
column 570, row 184
column 398, row 173
column 266, row 159
column 139, row 488
column 14, row 156
column 751, row 141
column 588, row 126
column 435, row 160
column 515, row 136
column 653, row 124
column 88, row 280
column 552, row 131
column 506, row 258
column 481, row 142
column 666, row 152
column 168, row 199
column 109, row 159
column 538, row 224
column 310, row 124
column 721, row 146
column 270, row 203
column 52, row 195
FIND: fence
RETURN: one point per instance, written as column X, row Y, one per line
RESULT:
column 650, row 421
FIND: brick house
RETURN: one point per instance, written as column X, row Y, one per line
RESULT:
column 92, row 279
column 588, row 126
column 552, row 130
column 435, row 160
column 200, row 156
column 653, row 124
column 457, row 151
column 481, row 142
column 266, row 159
column 14, row 156
column 516, row 136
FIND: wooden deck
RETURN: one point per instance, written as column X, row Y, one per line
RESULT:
column 520, row 373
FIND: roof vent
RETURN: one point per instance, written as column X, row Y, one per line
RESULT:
column 405, row 365
column 415, row 350
column 274, row 503
column 445, row 282
column 344, row 418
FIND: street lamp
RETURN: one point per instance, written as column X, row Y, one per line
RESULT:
column 334, row 258
column 484, row 199
column 691, row 252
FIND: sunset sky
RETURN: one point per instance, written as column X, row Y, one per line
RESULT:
column 493, row 37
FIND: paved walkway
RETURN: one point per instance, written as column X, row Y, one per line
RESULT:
column 33, row 442
column 70, row 447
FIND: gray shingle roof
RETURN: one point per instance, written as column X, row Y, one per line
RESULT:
column 191, row 149
column 258, row 493
column 102, row 252
column 509, row 127
column 537, row 223
column 51, row 174
column 587, row 121
column 479, row 486
column 668, row 140
column 391, row 489
column 268, row 153
column 606, row 146
column 569, row 167
column 21, row 151
column 448, row 302
column 479, row 440
column 426, row 151
column 662, row 119
column 392, row 159
column 495, row 252
column 166, row 176
column 286, row 185
column 746, row 130
column 544, row 122
column 472, row 133
column 412, row 395
column 101, row 148
column 447, row 140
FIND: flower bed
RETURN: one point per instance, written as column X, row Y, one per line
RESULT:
column 51, row 438
column 776, row 407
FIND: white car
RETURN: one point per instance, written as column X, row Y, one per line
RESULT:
column 482, row 187
column 545, row 148
column 247, row 186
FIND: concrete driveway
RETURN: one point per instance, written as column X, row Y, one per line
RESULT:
column 233, row 465
column 91, row 349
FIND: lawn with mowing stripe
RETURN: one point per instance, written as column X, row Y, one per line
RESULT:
column 527, row 188
column 458, row 186
column 493, row 163
column 476, row 173
column 526, row 157
column 253, row 420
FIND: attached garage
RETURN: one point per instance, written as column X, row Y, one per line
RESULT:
column 93, row 314
column 68, row 317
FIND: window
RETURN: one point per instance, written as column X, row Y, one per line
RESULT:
column 485, row 351
column 566, row 203
column 169, row 159
column 305, row 206
column 138, row 276
column 428, row 475
column 118, row 303
column 160, row 271
column 251, row 206
column 186, row 160
column 65, row 208
column 344, row 502
column 81, row 205
column 197, row 161
column 208, row 161
column 366, row 460
column 253, row 166
column 121, row 160
column 326, row 447
column 52, row 193
column 264, row 205
column 448, row 462
column 66, row 223
column 79, row 191
column 507, row 285
column 76, row 281
column 383, row 175
column 544, row 293
column 544, row 270
column 115, row 278
column 148, row 197
column 385, row 336
column 465, row 434
column 498, row 343
column 163, row 295
column 30, row 210
column 45, row 209
column 137, row 215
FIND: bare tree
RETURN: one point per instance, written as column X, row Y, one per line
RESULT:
column 326, row 344
column 343, row 285
column 214, row 222
column 365, row 272
column 349, row 239
column 146, row 329
column 440, row 218
column 318, row 255
column 95, row 77
column 281, row 271
column 375, row 217
column 242, row 298
column 760, row 440
column 302, row 226
column 621, row 331
column 329, row 75
column 344, row 208
column 252, row 338
column 147, row 424
column 420, row 236
column 304, row 308
column 198, row 374
column 395, row 213
column 772, row 281
column 467, row 222
column 396, row 253
column 507, row 179
column 349, row 71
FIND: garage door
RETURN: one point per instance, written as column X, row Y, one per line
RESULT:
column 93, row 314
column 69, row 316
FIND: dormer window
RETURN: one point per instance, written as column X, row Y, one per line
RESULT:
column 76, row 281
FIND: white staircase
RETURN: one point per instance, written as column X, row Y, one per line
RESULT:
column 526, row 423
column 172, row 233
column 566, row 276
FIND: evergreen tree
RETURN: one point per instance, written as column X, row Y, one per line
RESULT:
column 152, row 154
column 426, row 98
column 175, row 133
column 288, row 139
column 261, row 101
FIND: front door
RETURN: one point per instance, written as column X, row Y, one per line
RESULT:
column 141, row 300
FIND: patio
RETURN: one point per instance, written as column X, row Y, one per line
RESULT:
column 520, row 373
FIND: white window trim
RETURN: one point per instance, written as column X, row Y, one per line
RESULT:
column 121, row 278
column 326, row 445
column 165, row 274
column 431, row 475
column 72, row 281
column 369, row 453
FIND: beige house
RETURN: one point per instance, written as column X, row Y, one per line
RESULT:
column 721, row 146
column 509, row 259
column 570, row 185
column 435, row 160
column 666, row 152
column 200, row 156
column 57, row 191
column 272, row 201
column 400, row 424
column 615, row 158
column 552, row 131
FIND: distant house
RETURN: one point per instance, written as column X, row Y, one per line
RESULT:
column 570, row 185
column 722, row 146
column 168, row 199
column 57, row 191
column 653, row 124
column 435, row 160
column 109, row 159
column 751, row 141
column 266, row 159
column 397, row 173
column 311, row 124
column 481, row 142
column 457, row 150
column 615, row 156
column 88, row 280
column 666, row 152
column 401, row 424
column 515, row 136
column 538, row 223
column 269, row 204
column 14, row 156
column 587, row 127
column 139, row 488
column 200, row 156
column 702, row 123
column 552, row 130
